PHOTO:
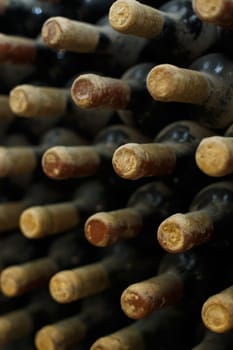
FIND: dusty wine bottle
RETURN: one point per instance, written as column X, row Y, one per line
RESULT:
column 117, row 51
column 162, row 329
column 65, row 252
column 114, row 270
column 173, row 31
column 205, row 87
column 83, row 161
column 89, row 197
column 127, row 95
column 214, row 11
column 145, row 208
column 210, row 210
column 214, row 341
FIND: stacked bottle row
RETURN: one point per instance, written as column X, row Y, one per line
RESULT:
column 115, row 167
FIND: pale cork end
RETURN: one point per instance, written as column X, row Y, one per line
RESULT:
column 63, row 33
column 141, row 299
column 214, row 156
column 69, row 162
column 132, row 17
column 33, row 101
column 181, row 232
column 42, row 221
column 93, row 91
column 107, row 228
column 133, row 161
column 71, row 285
column 215, row 11
column 168, row 83
column 217, row 311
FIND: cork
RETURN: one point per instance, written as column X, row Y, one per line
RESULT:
column 214, row 156
column 181, row 232
column 16, row 49
column 93, row 91
column 217, row 311
column 133, row 161
column 132, row 17
column 168, row 83
column 67, row 162
column 61, row 335
column 218, row 12
column 126, row 338
column 9, row 215
column 17, row 161
column 142, row 298
column 64, row 34
column 15, row 325
column 33, row 101
column 71, row 285
column 42, row 221
column 107, row 228
column 19, row 279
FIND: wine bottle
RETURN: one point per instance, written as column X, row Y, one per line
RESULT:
column 170, row 157
column 205, row 87
column 39, row 192
column 34, row 101
column 209, row 211
column 24, row 321
column 115, row 50
column 23, row 59
column 89, row 197
column 65, row 252
column 61, row 162
column 186, row 278
column 117, row 267
column 94, row 319
column 216, row 12
column 145, row 209
column 173, row 31
column 214, row 341
column 26, row 159
column 127, row 95
column 163, row 330
column 217, row 311
column 32, row 15
column 214, row 154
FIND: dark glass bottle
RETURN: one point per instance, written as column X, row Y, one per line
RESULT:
column 165, row 329
column 173, row 32
column 205, row 87
column 210, row 212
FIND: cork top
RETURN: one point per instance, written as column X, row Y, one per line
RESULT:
column 93, row 91
column 132, row 17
